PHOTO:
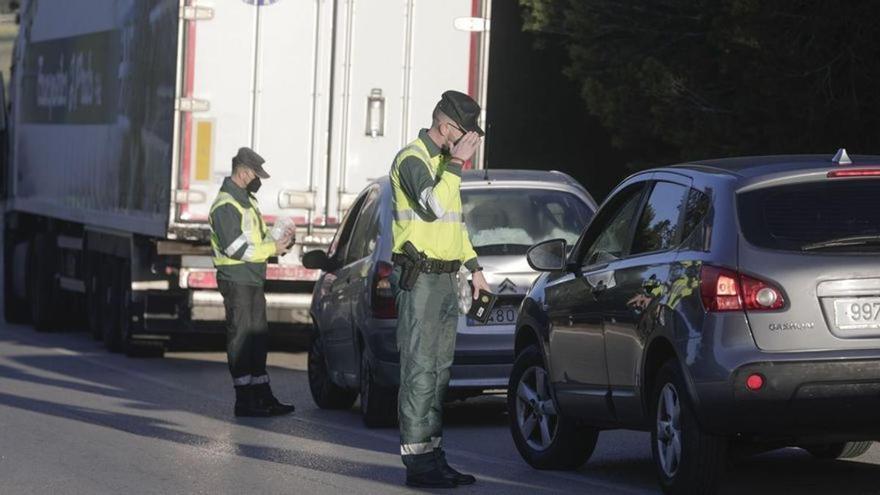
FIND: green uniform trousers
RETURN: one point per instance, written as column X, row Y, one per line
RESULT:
column 247, row 332
column 427, row 320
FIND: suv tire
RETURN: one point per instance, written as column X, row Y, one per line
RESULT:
column 688, row 460
column 544, row 438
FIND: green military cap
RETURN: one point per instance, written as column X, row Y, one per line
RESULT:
column 249, row 158
column 462, row 109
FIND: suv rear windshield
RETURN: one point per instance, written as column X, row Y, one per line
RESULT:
column 509, row 221
column 804, row 216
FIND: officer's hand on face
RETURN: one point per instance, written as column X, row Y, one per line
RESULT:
column 466, row 147
column 479, row 284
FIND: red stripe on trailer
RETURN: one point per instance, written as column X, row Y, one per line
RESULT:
column 189, row 84
column 473, row 69
column 474, row 55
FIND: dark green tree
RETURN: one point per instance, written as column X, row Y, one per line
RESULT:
column 675, row 80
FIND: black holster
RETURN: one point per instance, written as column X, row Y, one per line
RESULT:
column 411, row 266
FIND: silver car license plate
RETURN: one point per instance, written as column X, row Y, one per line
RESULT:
column 501, row 315
column 858, row 313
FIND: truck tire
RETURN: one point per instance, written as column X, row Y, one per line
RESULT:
column 43, row 290
column 110, row 305
column 16, row 310
column 567, row 444
column 841, row 450
column 688, row 460
column 378, row 402
column 325, row 393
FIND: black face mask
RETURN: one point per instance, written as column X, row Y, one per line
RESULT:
column 254, row 185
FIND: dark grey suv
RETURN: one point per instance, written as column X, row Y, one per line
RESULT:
column 718, row 304
column 354, row 347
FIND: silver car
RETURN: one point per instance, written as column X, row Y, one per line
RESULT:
column 716, row 304
column 353, row 348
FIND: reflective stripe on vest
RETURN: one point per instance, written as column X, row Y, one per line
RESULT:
column 253, row 231
column 443, row 238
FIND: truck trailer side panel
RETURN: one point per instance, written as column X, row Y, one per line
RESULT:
column 95, row 114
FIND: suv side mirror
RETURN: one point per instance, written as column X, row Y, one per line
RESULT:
column 548, row 256
column 317, row 260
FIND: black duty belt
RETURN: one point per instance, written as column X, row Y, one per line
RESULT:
column 428, row 265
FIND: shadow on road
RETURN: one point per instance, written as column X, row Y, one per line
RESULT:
column 790, row 470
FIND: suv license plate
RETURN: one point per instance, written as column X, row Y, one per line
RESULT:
column 501, row 315
column 852, row 314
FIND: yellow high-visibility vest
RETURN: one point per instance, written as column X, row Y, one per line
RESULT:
column 445, row 238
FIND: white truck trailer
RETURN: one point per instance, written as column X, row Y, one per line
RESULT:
column 124, row 115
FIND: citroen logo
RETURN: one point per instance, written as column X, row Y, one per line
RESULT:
column 507, row 286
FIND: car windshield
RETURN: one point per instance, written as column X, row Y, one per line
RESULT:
column 509, row 221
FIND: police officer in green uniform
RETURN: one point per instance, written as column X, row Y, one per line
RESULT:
column 430, row 236
column 242, row 245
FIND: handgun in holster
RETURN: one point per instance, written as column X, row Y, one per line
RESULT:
column 412, row 268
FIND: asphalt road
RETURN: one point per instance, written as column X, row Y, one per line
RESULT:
column 76, row 419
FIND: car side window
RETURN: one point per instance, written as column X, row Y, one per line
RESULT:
column 608, row 235
column 343, row 234
column 659, row 226
column 363, row 240
column 697, row 230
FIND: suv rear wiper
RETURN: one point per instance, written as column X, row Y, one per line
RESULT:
column 856, row 240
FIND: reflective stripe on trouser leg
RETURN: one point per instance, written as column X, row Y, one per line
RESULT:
column 427, row 324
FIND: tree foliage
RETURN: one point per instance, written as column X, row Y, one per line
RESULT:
column 684, row 79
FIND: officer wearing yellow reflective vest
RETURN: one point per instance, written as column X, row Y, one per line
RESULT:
column 242, row 246
column 431, row 238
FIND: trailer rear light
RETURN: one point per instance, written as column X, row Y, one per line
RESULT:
column 857, row 172
column 723, row 289
column 202, row 279
column 291, row 273
column 382, row 300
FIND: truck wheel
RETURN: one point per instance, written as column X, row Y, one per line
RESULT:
column 842, row 450
column 325, row 393
column 378, row 403
column 110, row 305
column 544, row 438
column 16, row 310
column 43, row 291
column 688, row 460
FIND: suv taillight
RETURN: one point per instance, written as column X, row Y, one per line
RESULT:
column 382, row 299
column 723, row 289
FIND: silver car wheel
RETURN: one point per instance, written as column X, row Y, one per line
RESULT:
column 535, row 410
column 669, row 430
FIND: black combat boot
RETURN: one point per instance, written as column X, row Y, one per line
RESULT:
column 449, row 473
column 422, row 471
column 263, row 395
column 246, row 405
column 429, row 479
